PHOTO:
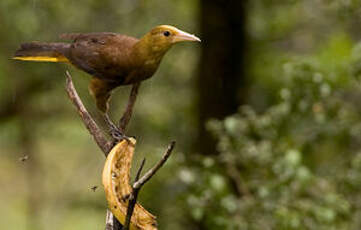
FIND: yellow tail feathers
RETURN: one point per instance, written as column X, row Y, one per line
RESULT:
column 42, row 52
column 43, row 59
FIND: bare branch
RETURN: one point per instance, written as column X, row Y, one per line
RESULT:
column 139, row 183
column 236, row 179
column 88, row 121
column 105, row 145
column 128, row 112
column 133, row 198
column 111, row 223
column 140, row 170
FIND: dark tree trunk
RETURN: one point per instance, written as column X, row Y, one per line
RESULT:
column 221, row 81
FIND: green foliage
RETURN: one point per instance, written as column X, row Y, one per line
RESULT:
column 291, row 159
column 289, row 167
column 38, row 120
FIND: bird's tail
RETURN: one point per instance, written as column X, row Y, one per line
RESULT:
column 42, row 52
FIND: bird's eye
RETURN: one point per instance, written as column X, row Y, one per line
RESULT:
column 166, row 33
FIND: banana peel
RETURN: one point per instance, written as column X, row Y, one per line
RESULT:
column 116, row 177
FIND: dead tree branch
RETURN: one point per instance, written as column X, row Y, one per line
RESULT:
column 236, row 179
column 138, row 184
column 129, row 110
column 88, row 121
column 105, row 145
column 111, row 222
column 133, row 199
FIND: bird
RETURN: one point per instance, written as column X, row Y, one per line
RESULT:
column 112, row 59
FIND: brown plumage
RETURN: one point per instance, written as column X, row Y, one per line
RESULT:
column 112, row 59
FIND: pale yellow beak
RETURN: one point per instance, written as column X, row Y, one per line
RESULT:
column 181, row 36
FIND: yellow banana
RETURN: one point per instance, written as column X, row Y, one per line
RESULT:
column 116, row 177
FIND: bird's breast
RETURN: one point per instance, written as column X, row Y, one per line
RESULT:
column 139, row 74
column 150, row 62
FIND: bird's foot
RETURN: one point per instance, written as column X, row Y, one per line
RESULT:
column 118, row 136
column 115, row 132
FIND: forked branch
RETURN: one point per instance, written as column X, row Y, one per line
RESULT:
column 139, row 182
column 87, row 119
column 105, row 146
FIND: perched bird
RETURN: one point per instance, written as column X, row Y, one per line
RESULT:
column 112, row 59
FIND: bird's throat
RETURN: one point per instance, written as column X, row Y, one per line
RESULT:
column 151, row 54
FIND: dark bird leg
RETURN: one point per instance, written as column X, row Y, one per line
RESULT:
column 101, row 91
column 128, row 112
column 114, row 131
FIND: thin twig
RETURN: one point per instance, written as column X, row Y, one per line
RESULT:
column 133, row 199
column 109, row 220
column 128, row 112
column 236, row 179
column 131, row 204
column 140, row 170
column 140, row 182
column 111, row 223
column 88, row 121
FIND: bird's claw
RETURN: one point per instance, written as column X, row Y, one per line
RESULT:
column 118, row 135
column 115, row 132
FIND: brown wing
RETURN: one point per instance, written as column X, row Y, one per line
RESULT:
column 104, row 55
column 75, row 36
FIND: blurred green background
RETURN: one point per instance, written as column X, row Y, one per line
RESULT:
column 266, row 113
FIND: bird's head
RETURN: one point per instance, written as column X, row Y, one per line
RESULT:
column 167, row 35
column 162, row 37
